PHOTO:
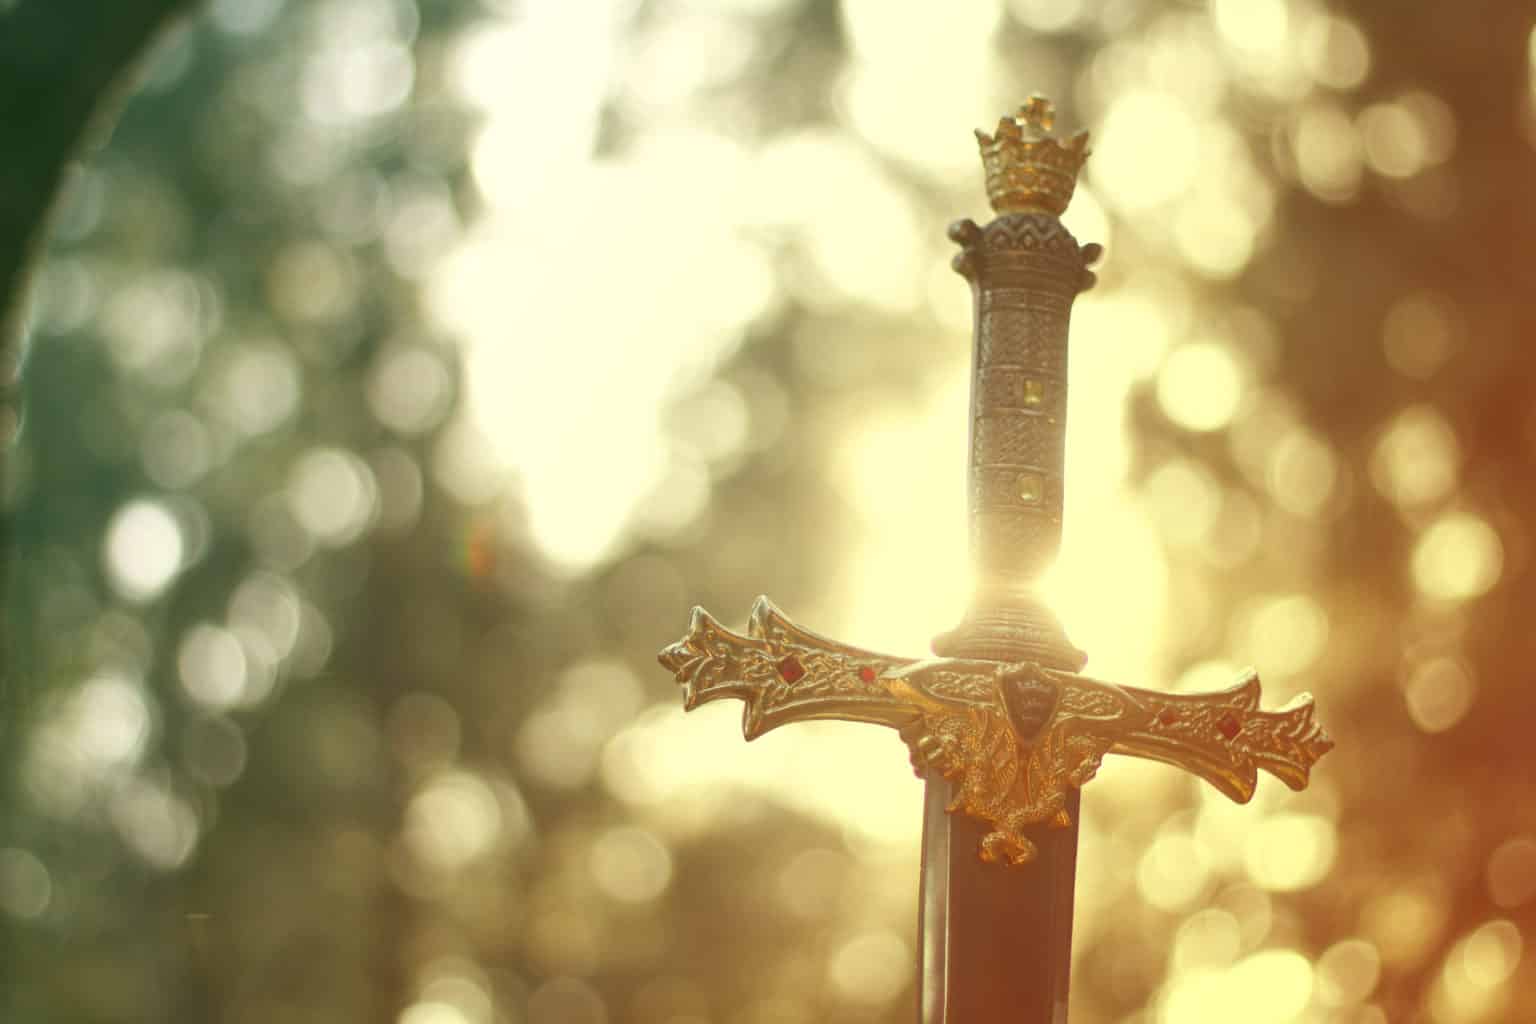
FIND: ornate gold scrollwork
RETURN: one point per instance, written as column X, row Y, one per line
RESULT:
column 1011, row 736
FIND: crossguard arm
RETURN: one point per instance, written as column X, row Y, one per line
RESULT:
column 1012, row 736
column 782, row 673
column 1225, row 737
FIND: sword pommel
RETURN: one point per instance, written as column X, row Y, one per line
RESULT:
column 1029, row 170
column 1025, row 270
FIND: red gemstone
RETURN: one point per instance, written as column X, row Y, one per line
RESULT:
column 790, row 669
column 1167, row 716
column 1229, row 725
column 867, row 674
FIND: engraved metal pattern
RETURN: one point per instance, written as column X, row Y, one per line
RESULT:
column 1010, row 388
column 1023, row 338
column 1003, row 713
column 996, row 488
column 1018, row 397
column 1013, row 737
column 1027, row 168
column 1018, row 437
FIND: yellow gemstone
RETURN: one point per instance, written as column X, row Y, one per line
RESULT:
column 1031, row 488
column 1032, row 391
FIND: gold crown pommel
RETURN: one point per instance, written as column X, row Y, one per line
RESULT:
column 1028, row 169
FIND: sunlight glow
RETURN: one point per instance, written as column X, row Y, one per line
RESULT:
column 1285, row 633
column 1405, row 921
column 1174, row 871
column 157, row 825
column 916, row 71
column 1287, row 852
column 871, row 969
column 631, row 864
column 844, row 774
column 1458, row 558
column 1473, row 982
column 1137, row 124
column 899, row 593
column 1335, row 50
column 1347, row 972
column 1439, row 693
column 212, row 665
column 456, row 818
column 1271, row 987
column 1302, row 472
column 332, row 495
column 1200, row 386
column 1328, row 152
column 1208, row 938
column 569, row 339
column 1417, row 461
column 1512, row 872
column 144, row 549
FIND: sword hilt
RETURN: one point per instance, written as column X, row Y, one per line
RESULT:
column 1025, row 270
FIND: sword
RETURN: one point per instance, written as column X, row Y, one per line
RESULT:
column 1002, row 724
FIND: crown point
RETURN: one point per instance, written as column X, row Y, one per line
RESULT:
column 1038, row 112
column 1030, row 170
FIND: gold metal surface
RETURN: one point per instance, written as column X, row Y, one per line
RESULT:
column 1003, row 714
column 1012, row 736
column 1028, row 169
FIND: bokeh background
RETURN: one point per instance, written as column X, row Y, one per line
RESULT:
column 399, row 373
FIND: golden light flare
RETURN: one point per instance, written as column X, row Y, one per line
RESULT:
column 871, row 969
column 1335, row 50
column 1174, row 872
column 1285, row 633
column 145, row 549
column 1200, row 386
column 898, row 594
column 1438, row 694
column 1208, row 938
column 456, row 818
column 1418, row 460
column 840, row 773
column 1511, row 872
column 1328, row 154
column 1405, row 920
column 1270, row 987
column 1184, row 498
column 631, row 865
column 1302, row 472
column 1288, row 852
column 1473, row 984
column 1457, row 558
column 1348, row 972
column 1135, row 124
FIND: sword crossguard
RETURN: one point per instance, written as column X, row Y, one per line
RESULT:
column 1011, row 736
column 1004, row 714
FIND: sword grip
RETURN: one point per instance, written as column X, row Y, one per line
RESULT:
column 1025, row 271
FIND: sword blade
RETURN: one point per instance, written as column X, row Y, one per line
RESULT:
column 995, row 941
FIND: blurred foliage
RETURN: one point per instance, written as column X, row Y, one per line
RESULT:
column 333, row 695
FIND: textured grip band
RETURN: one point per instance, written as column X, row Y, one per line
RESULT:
column 1025, row 270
